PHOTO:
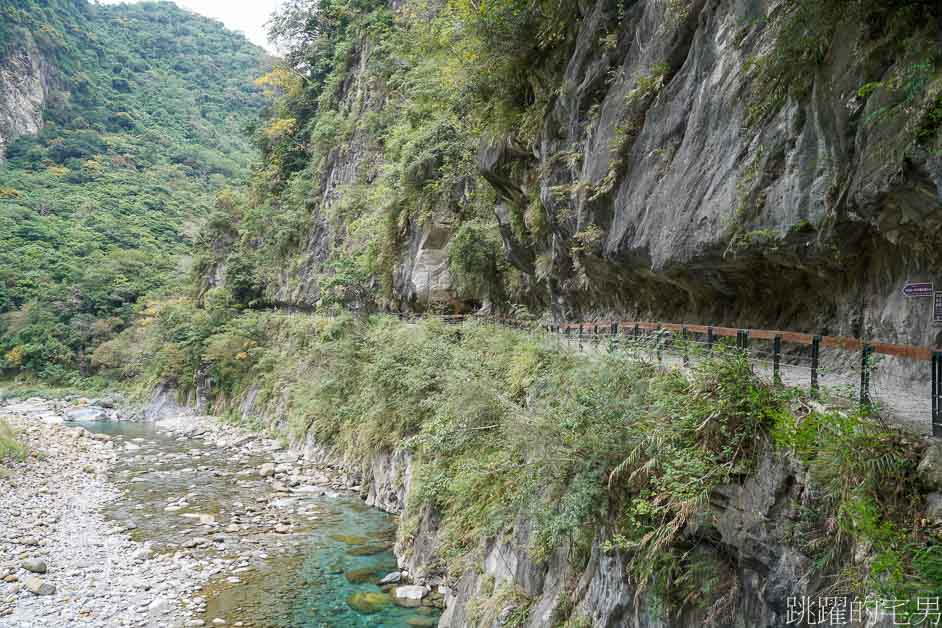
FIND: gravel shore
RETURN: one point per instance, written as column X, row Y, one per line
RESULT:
column 65, row 561
column 90, row 572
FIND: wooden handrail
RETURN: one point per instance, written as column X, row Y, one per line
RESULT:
column 910, row 352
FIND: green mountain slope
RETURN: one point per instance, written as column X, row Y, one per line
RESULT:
column 143, row 125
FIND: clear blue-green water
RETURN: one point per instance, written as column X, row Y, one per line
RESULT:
column 338, row 549
column 313, row 588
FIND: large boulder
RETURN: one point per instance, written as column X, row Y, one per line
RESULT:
column 368, row 601
column 87, row 413
column 34, row 566
column 411, row 592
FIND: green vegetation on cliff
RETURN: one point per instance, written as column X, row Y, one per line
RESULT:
column 144, row 123
column 382, row 115
column 406, row 97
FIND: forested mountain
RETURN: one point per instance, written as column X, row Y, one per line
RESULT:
column 119, row 126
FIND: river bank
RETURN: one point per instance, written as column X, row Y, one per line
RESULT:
column 90, row 572
column 185, row 522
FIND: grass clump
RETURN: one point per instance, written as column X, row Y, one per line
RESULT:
column 866, row 493
column 10, row 447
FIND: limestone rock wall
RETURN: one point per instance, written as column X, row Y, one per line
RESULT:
column 667, row 198
column 25, row 85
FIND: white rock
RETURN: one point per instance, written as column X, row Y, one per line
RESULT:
column 411, row 592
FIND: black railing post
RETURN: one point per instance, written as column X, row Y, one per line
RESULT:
column 937, row 393
column 742, row 340
column 684, row 335
column 865, row 359
column 710, row 339
column 657, row 342
column 580, row 336
column 815, row 357
column 777, row 360
column 637, row 331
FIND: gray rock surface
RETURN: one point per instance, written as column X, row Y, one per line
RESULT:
column 411, row 592
column 34, row 566
column 38, row 586
column 930, row 467
column 25, row 85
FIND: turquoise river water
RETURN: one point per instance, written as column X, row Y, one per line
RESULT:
column 323, row 574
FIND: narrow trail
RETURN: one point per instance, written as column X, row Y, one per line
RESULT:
column 899, row 392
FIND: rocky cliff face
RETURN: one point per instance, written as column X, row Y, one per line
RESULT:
column 678, row 179
column 25, row 85
column 670, row 193
column 747, row 530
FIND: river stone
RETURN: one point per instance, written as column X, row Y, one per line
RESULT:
column 411, row 592
column 35, row 566
column 158, row 605
column 90, row 413
column 266, row 470
column 391, row 578
column 357, row 576
column 367, row 602
column 367, row 550
column 38, row 586
column 421, row 621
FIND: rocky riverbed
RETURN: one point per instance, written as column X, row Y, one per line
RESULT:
column 187, row 522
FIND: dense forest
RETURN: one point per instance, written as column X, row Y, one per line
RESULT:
column 145, row 122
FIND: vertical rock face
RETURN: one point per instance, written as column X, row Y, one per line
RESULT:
column 667, row 194
column 25, row 84
column 423, row 277
column 672, row 190
column 422, row 272
column 745, row 535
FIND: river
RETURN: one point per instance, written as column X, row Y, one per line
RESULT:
column 285, row 558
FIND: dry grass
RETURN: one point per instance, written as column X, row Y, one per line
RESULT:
column 10, row 447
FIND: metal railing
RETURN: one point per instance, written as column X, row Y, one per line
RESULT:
column 887, row 378
column 853, row 370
